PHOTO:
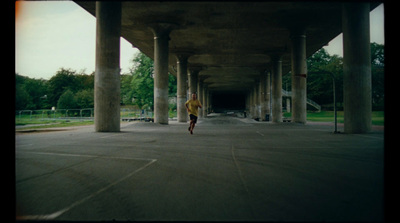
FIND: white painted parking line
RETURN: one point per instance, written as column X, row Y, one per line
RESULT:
column 109, row 136
column 239, row 170
column 62, row 211
column 85, row 155
column 368, row 136
column 260, row 133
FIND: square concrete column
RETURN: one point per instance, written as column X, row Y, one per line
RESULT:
column 107, row 73
column 161, row 38
column 181, row 88
column 299, row 77
column 276, row 89
column 357, row 68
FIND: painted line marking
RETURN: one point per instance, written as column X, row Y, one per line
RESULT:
column 374, row 137
column 85, row 155
column 239, row 170
column 260, row 133
column 62, row 211
column 108, row 136
column 23, row 145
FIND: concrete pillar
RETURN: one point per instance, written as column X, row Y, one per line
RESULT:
column 357, row 68
column 257, row 98
column 250, row 103
column 193, row 78
column 107, row 74
column 208, row 101
column 276, row 89
column 299, row 75
column 263, row 95
column 161, row 38
column 268, row 92
column 204, row 100
column 287, row 104
column 181, row 88
column 200, row 96
column 247, row 104
column 253, row 102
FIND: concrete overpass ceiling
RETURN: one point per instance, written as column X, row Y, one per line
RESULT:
column 229, row 40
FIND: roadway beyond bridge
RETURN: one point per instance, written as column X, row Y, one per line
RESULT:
column 230, row 169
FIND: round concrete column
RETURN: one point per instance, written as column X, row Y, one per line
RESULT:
column 299, row 77
column 161, row 38
column 257, row 99
column 247, row 104
column 200, row 96
column 181, row 88
column 193, row 77
column 253, row 103
column 276, row 89
column 263, row 95
column 204, row 101
column 268, row 94
column 107, row 74
column 287, row 104
column 357, row 68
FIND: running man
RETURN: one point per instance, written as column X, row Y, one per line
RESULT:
column 192, row 107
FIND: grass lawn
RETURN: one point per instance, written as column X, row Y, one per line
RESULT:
column 50, row 124
column 328, row 116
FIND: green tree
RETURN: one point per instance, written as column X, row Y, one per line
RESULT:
column 142, row 82
column 378, row 75
column 138, row 87
column 59, row 83
column 68, row 79
column 172, row 85
column 319, row 83
column 30, row 93
column 84, row 98
column 126, row 91
column 22, row 98
column 67, row 100
column 321, row 66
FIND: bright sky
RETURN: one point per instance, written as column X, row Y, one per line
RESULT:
column 50, row 35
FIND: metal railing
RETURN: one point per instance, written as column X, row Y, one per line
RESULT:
column 309, row 101
column 126, row 114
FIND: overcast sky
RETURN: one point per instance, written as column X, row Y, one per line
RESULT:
column 50, row 35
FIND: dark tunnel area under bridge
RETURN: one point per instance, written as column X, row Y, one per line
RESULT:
column 227, row 101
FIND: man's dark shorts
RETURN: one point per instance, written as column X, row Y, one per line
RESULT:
column 193, row 117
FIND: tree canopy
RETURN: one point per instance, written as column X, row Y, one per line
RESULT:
column 319, row 81
column 71, row 89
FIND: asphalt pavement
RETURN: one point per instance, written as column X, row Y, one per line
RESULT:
column 230, row 169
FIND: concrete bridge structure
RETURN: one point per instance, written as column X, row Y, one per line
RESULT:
column 232, row 49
